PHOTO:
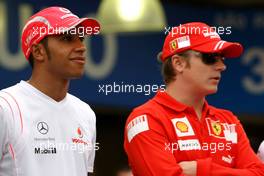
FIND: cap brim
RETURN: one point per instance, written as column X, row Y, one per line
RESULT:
column 227, row 49
column 92, row 24
column 89, row 22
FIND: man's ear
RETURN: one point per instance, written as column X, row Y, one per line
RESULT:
column 178, row 63
column 38, row 52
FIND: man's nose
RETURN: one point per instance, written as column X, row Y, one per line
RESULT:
column 80, row 47
column 220, row 65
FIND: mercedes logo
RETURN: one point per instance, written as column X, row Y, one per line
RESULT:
column 43, row 127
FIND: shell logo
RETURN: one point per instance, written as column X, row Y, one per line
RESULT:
column 182, row 127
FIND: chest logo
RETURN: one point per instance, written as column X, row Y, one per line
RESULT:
column 222, row 130
column 217, row 129
column 80, row 133
column 43, row 127
column 228, row 159
column 182, row 127
column 80, row 138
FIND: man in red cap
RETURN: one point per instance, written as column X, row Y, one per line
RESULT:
column 177, row 132
column 43, row 129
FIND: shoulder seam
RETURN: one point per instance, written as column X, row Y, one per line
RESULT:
column 18, row 107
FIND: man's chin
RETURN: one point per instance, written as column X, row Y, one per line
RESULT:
column 212, row 91
column 76, row 76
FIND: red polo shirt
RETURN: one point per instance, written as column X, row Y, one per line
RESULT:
column 163, row 132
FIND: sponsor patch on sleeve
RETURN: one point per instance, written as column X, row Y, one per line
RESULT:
column 136, row 126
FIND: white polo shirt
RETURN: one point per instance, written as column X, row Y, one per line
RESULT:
column 40, row 137
column 261, row 151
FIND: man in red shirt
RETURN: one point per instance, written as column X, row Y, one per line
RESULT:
column 177, row 132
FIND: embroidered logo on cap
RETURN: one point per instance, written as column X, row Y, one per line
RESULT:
column 183, row 41
column 173, row 45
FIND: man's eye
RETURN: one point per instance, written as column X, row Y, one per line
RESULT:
column 81, row 38
column 67, row 38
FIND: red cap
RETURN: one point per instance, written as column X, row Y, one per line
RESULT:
column 199, row 37
column 52, row 21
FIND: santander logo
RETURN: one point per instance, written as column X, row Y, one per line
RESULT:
column 79, row 131
column 80, row 136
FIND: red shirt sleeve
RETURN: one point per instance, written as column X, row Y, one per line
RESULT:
column 146, row 150
column 247, row 162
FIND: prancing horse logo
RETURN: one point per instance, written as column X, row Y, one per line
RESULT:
column 43, row 127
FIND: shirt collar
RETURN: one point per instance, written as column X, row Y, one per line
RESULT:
column 166, row 100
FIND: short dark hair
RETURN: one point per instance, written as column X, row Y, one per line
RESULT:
column 31, row 58
column 167, row 70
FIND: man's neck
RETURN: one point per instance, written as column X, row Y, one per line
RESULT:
column 50, row 86
column 187, row 97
